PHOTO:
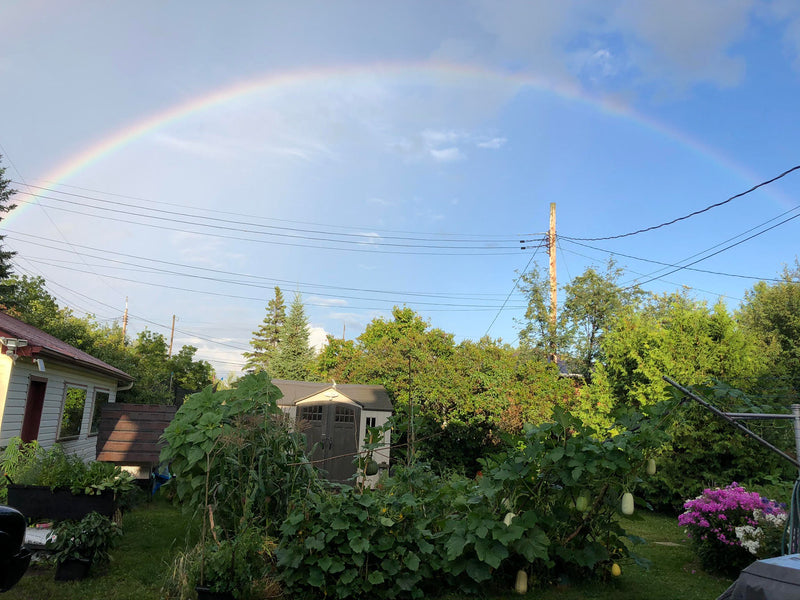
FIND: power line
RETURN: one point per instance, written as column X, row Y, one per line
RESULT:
column 692, row 214
column 720, row 251
column 364, row 246
column 271, row 280
column 658, row 262
column 216, row 220
column 513, row 288
column 250, row 216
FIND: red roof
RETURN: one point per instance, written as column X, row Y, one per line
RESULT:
column 41, row 344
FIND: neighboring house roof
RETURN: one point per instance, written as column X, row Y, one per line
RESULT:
column 372, row 397
column 41, row 344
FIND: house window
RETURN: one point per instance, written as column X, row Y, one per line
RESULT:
column 371, row 421
column 100, row 400
column 72, row 414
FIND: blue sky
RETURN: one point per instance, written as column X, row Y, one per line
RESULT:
column 377, row 154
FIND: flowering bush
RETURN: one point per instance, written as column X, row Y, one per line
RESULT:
column 730, row 527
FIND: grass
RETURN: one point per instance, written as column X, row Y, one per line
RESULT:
column 156, row 531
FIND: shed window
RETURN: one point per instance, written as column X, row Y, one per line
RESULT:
column 344, row 415
column 72, row 415
column 311, row 413
column 100, row 400
column 371, row 421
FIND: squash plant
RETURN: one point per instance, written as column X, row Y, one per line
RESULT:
column 417, row 533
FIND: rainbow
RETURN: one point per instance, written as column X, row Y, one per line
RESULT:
column 434, row 74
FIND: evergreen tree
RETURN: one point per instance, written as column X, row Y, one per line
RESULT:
column 7, row 288
column 294, row 356
column 267, row 336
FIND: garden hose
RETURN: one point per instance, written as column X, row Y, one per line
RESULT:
column 790, row 543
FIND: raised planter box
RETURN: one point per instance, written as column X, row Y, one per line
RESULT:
column 38, row 502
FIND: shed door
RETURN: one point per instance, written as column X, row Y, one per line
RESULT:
column 33, row 410
column 332, row 437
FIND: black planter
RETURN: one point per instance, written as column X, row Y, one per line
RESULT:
column 38, row 502
column 73, row 569
column 204, row 593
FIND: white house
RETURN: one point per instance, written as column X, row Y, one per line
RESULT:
column 335, row 419
column 51, row 391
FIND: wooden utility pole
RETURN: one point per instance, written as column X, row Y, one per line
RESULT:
column 125, row 321
column 551, row 250
column 171, row 337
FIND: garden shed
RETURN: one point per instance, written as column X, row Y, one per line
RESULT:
column 335, row 419
column 51, row 391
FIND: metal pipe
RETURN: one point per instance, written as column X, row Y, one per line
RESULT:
column 745, row 430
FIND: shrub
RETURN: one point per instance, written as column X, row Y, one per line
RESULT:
column 730, row 527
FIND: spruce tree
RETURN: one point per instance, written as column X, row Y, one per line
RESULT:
column 7, row 286
column 266, row 337
column 294, row 357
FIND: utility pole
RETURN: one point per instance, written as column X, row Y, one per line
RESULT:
column 551, row 250
column 125, row 321
column 171, row 337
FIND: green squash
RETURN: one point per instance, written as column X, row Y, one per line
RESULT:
column 371, row 468
column 651, row 466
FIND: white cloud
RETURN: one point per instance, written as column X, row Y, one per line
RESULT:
column 204, row 149
column 318, row 301
column 372, row 238
column 317, row 338
column 447, row 154
column 493, row 144
column 380, row 201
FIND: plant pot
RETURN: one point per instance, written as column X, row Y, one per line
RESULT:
column 204, row 593
column 73, row 569
column 39, row 502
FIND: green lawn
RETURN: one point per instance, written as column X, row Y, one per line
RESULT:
column 155, row 531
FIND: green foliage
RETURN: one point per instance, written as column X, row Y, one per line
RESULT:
column 30, row 464
column 241, row 565
column 160, row 379
column 6, row 205
column 416, row 533
column 233, row 450
column 293, row 357
column 465, row 395
column 267, row 337
column 91, row 538
column 773, row 313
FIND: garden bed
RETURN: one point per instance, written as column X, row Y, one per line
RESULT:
column 40, row 502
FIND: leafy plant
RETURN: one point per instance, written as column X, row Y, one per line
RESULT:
column 31, row 464
column 90, row 539
column 233, row 449
column 242, row 565
column 416, row 532
column 730, row 527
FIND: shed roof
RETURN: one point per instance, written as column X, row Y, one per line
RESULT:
column 43, row 344
column 372, row 397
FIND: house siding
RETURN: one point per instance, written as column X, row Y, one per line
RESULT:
column 58, row 377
